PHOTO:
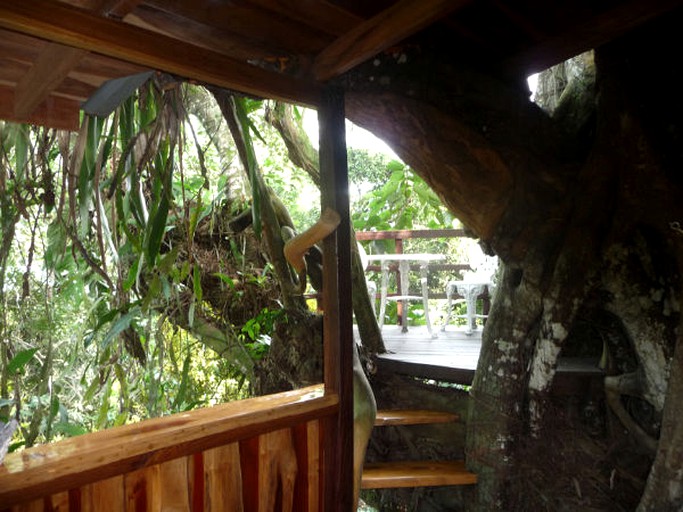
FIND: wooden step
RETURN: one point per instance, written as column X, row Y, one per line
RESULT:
column 413, row 417
column 384, row 475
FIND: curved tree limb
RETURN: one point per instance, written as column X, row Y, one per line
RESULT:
column 296, row 248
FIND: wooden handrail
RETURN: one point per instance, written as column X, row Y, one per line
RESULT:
column 404, row 234
column 78, row 461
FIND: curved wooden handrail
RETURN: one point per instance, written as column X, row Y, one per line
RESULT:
column 78, row 461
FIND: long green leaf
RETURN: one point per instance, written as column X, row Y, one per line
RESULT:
column 21, row 150
column 197, row 283
column 157, row 228
column 119, row 326
column 103, row 414
column 87, row 172
column 252, row 163
column 20, row 360
column 182, row 389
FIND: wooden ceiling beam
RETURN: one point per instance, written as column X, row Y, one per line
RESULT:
column 53, row 111
column 54, row 64
column 320, row 14
column 380, row 32
column 48, row 71
column 117, row 8
column 251, row 23
column 155, row 20
column 60, row 23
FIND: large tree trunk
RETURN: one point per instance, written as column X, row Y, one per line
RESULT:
column 584, row 209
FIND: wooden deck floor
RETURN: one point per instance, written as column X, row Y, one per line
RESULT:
column 452, row 356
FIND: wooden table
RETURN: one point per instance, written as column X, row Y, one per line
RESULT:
column 404, row 261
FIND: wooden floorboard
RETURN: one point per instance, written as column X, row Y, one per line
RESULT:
column 453, row 355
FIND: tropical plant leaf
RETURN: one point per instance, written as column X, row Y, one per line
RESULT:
column 197, row 282
column 184, row 380
column 22, row 146
column 119, row 326
column 70, row 429
column 20, row 360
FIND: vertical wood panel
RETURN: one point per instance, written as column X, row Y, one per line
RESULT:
column 198, row 482
column 58, row 502
column 337, row 324
column 104, row 496
column 277, row 471
column 172, row 486
column 249, row 462
column 314, row 480
column 223, row 479
column 300, row 436
column 137, row 490
column 31, row 506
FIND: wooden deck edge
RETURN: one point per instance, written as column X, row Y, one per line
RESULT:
column 386, row 475
column 568, row 369
column 425, row 371
column 387, row 418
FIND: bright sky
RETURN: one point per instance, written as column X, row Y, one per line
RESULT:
column 356, row 137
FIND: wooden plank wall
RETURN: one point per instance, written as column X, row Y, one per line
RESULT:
column 276, row 471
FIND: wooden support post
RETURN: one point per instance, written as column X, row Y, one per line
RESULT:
column 337, row 325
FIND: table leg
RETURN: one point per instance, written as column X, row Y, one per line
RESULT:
column 424, row 270
column 403, row 272
column 450, row 289
column 383, row 293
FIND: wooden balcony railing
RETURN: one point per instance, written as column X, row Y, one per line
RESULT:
column 258, row 454
column 455, row 269
column 406, row 234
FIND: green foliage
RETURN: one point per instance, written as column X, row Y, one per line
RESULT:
column 104, row 317
column 123, row 292
column 403, row 201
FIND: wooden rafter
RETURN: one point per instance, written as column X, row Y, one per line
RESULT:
column 319, row 14
column 53, row 65
column 390, row 26
column 200, row 34
column 48, row 71
column 53, row 111
column 53, row 21
column 117, row 8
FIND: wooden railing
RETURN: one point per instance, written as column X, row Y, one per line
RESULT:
column 240, row 456
column 406, row 234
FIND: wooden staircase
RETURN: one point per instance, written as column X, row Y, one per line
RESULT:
column 384, row 475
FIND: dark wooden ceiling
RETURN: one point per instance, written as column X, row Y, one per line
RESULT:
column 54, row 54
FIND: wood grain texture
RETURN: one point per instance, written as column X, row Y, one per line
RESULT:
column 413, row 417
column 75, row 462
column 337, row 320
column 223, row 479
column 53, row 111
column 392, row 25
column 277, row 471
column 50, row 68
column 104, row 496
column 73, row 27
column 386, row 475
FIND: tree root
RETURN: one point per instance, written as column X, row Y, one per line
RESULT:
column 628, row 384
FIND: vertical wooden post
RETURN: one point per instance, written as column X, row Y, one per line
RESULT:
column 400, row 304
column 337, row 325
